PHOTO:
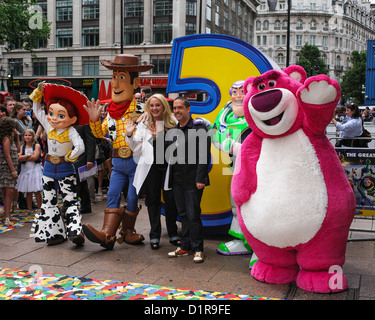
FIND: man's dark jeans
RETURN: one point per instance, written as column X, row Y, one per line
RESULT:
column 188, row 207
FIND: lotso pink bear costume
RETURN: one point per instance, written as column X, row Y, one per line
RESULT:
column 295, row 204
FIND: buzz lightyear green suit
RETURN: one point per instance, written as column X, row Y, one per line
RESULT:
column 228, row 132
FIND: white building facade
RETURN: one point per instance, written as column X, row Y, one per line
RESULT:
column 336, row 27
column 83, row 32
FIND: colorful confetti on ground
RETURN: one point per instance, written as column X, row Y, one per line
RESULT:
column 20, row 219
column 22, row 285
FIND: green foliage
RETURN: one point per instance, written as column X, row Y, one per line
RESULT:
column 21, row 25
column 311, row 61
column 354, row 78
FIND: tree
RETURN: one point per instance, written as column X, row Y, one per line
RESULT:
column 354, row 78
column 22, row 25
column 311, row 61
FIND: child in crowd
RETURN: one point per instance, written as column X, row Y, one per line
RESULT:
column 30, row 179
column 9, row 148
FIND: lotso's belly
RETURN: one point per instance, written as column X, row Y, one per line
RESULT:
column 290, row 202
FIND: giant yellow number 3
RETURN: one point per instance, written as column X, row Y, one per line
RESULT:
column 211, row 63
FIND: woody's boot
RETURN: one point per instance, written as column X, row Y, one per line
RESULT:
column 107, row 236
column 128, row 233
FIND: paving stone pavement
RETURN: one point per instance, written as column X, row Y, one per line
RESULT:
column 140, row 264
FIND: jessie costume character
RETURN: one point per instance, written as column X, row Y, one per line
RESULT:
column 122, row 108
column 64, row 109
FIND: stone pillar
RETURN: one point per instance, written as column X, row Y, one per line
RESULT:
column 148, row 22
column 179, row 18
column 77, row 24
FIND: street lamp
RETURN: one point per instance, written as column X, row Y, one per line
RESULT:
column 11, row 67
column 2, row 73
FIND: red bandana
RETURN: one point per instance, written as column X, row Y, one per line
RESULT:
column 117, row 110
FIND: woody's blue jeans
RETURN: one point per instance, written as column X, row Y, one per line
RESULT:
column 123, row 171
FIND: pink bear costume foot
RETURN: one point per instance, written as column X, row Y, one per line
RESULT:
column 322, row 281
column 272, row 274
column 312, row 281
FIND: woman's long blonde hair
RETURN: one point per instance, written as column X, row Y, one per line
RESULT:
column 169, row 121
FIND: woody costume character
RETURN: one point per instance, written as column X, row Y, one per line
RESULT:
column 64, row 109
column 122, row 108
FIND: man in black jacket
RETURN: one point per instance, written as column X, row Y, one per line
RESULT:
column 189, row 157
column 88, row 159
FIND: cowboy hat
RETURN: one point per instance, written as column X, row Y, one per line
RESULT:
column 126, row 62
column 75, row 97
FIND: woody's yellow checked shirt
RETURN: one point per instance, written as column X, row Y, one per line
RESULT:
column 99, row 129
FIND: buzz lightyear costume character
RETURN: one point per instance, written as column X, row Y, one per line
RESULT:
column 228, row 132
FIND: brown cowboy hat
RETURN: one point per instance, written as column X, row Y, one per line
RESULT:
column 126, row 62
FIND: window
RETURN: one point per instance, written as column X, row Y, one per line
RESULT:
column 133, row 34
column 226, row 21
column 190, row 28
column 163, row 8
column 266, row 25
column 161, row 64
column 280, row 58
column 283, row 40
column 277, row 25
column 299, row 39
column 39, row 67
column 133, row 8
column 90, row 9
column 278, row 40
column 299, row 24
column 90, row 36
column 208, row 10
column 191, row 8
column 18, row 67
column 64, row 66
column 217, row 16
column 264, row 40
column 313, row 24
column 64, row 10
column 90, row 66
column 64, row 37
column 325, row 42
column 312, row 40
column 338, row 61
column 162, row 33
column 43, row 5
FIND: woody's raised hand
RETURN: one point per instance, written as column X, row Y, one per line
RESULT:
column 94, row 109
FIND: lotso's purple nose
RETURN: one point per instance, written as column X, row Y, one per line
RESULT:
column 267, row 100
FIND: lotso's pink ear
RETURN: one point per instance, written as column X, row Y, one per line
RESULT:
column 296, row 72
column 247, row 84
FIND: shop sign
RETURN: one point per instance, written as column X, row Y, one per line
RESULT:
column 154, row 82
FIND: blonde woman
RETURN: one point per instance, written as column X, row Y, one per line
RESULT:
column 148, row 144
